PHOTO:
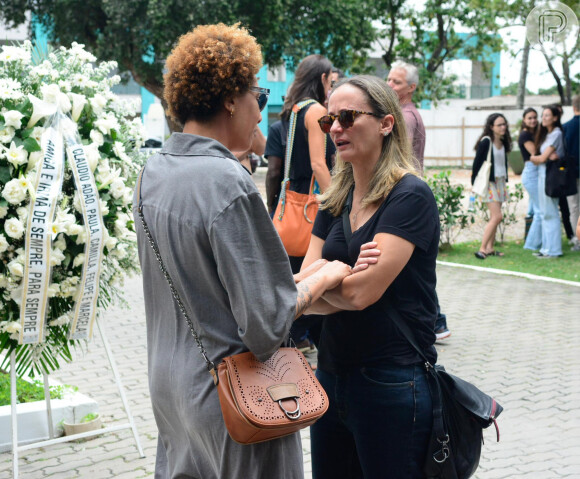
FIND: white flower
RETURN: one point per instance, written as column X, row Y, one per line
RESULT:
column 16, row 155
column 77, row 202
column 78, row 103
column 107, row 123
column 6, row 134
column 13, row 118
column 78, row 50
column 97, row 137
column 16, row 268
column 14, row 192
column 13, row 54
column 81, row 236
column 40, row 109
column 16, row 293
column 36, row 133
column 10, row 89
column 79, row 260
column 3, row 211
column 61, row 320
column 98, row 103
column 120, row 251
column 53, row 290
column 110, row 243
column 117, row 188
column 104, row 207
column 60, row 243
column 75, row 230
column 11, row 327
column 3, row 281
column 22, row 213
column 33, row 159
column 56, row 257
column 93, row 155
column 3, row 244
column 50, row 93
column 14, row 228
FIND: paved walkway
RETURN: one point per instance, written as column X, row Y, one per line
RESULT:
column 515, row 338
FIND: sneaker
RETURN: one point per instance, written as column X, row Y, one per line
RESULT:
column 547, row 256
column 576, row 247
column 442, row 333
column 574, row 242
column 537, row 254
column 305, row 346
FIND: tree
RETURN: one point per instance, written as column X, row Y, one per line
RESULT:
column 139, row 34
column 432, row 37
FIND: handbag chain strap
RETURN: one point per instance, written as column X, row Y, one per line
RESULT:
column 209, row 363
column 289, row 145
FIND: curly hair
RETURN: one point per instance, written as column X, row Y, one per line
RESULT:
column 209, row 65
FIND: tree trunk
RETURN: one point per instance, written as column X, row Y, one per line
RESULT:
column 521, row 96
column 566, row 72
column 556, row 77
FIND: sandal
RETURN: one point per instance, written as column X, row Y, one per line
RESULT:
column 495, row 253
column 480, row 255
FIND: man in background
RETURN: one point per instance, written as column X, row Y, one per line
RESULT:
column 572, row 139
column 403, row 79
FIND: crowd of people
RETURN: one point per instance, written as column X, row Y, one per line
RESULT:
column 358, row 142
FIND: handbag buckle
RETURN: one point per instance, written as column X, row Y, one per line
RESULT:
column 442, row 455
column 291, row 414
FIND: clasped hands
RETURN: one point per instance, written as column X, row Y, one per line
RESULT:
column 336, row 271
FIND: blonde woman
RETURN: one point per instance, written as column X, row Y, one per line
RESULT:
column 380, row 414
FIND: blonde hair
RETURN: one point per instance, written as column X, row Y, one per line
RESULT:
column 395, row 161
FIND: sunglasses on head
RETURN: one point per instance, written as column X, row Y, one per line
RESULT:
column 345, row 119
column 262, row 98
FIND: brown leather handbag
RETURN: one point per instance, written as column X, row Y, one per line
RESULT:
column 260, row 401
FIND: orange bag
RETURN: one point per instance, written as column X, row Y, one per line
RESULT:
column 294, row 219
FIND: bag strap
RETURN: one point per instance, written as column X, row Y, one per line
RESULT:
column 210, row 364
column 288, row 155
column 434, row 387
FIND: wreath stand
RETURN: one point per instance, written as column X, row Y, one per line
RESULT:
column 55, row 440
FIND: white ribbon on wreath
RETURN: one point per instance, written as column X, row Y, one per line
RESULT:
column 60, row 135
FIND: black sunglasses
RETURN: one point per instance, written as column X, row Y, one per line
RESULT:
column 262, row 98
column 345, row 119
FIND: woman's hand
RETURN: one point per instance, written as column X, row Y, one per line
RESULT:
column 537, row 159
column 313, row 268
column 368, row 255
column 334, row 272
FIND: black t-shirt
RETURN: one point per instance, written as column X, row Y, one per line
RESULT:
column 352, row 339
column 524, row 137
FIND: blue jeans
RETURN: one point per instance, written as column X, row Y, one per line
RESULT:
column 377, row 426
column 550, row 216
column 530, row 182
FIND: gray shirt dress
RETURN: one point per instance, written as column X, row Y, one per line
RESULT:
column 233, row 275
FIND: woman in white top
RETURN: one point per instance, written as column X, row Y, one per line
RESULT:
column 549, row 142
column 496, row 128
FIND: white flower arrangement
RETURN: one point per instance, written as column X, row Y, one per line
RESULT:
column 31, row 83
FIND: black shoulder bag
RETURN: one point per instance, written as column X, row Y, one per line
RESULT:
column 560, row 180
column 460, row 410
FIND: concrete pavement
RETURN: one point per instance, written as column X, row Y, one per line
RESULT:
column 515, row 338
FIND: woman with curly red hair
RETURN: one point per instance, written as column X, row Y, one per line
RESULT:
column 221, row 251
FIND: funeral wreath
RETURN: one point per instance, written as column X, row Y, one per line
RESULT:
column 69, row 156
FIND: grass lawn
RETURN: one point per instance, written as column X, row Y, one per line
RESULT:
column 517, row 259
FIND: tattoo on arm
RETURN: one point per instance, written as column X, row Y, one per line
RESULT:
column 305, row 296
